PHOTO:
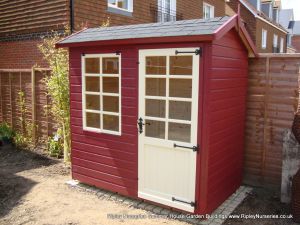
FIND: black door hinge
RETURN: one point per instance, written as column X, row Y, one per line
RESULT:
column 196, row 52
column 194, row 148
column 193, row 204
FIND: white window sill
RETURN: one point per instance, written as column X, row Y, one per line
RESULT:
column 116, row 10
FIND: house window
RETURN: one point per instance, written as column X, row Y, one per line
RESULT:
column 281, row 45
column 208, row 11
column 166, row 10
column 101, row 93
column 275, row 41
column 264, row 39
column 121, row 4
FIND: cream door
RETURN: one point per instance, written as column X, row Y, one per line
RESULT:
column 167, row 123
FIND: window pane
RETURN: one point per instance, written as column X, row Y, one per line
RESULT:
column 123, row 4
column 180, row 132
column 156, row 108
column 110, row 122
column 110, row 65
column 111, row 84
column 181, row 88
column 92, row 102
column 112, row 2
column 92, row 84
column 155, row 129
column 180, row 110
column 92, row 65
column 93, row 120
column 110, row 104
column 155, row 87
column 156, row 65
column 181, row 65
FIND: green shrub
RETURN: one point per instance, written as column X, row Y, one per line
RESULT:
column 6, row 132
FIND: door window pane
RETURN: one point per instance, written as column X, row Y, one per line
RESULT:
column 110, row 122
column 155, row 87
column 181, row 65
column 111, row 84
column 156, row 65
column 180, row 110
column 92, row 84
column 92, row 102
column 155, row 129
column 110, row 104
column 93, row 120
column 92, row 65
column 180, row 132
column 110, row 65
column 181, row 88
column 156, row 108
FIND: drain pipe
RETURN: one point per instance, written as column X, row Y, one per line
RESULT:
column 72, row 16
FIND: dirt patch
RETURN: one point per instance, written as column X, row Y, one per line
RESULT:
column 33, row 191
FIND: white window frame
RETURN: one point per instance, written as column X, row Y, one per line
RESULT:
column 281, row 44
column 101, row 94
column 211, row 9
column 264, row 39
column 164, row 10
column 275, row 41
column 129, row 6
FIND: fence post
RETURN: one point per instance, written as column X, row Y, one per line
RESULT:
column 1, row 105
column 10, row 99
column 33, row 103
column 265, row 129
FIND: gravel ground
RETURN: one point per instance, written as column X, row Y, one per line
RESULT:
column 33, row 190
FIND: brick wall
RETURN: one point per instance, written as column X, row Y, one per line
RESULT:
column 270, row 35
column 93, row 13
column 19, row 17
column 20, row 55
column 296, row 42
column 248, row 18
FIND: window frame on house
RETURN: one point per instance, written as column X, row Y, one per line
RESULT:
column 166, row 14
column 211, row 11
column 264, row 38
column 275, row 41
column 281, row 45
column 101, row 93
column 113, row 7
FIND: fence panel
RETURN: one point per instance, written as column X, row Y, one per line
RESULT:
column 11, row 84
column 272, row 102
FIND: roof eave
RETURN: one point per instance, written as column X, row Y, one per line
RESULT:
column 133, row 41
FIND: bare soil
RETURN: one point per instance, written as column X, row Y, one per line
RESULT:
column 33, row 190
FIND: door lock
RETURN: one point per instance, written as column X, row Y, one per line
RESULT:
column 141, row 124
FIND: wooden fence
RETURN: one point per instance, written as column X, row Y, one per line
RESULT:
column 271, row 104
column 30, row 82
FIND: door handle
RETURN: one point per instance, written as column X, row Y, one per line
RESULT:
column 141, row 124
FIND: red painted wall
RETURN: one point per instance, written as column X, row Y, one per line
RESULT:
column 225, row 87
column 103, row 160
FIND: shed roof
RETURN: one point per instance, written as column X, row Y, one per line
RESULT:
column 167, row 32
column 166, row 29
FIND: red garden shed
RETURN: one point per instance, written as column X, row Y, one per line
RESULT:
column 158, row 110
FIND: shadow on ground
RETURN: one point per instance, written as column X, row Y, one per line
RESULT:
column 13, row 186
column 263, row 202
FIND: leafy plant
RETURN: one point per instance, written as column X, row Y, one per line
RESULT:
column 6, row 132
column 24, row 138
column 57, row 85
column 55, row 146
